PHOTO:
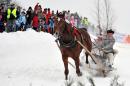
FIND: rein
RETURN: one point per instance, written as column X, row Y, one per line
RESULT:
column 70, row 44
column 69, row 31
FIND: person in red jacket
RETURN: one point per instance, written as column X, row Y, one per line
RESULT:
column 35, row 22
column 36, row 7
column 48, row 16
column 45, row 12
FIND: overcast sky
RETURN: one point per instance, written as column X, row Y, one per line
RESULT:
column 86, row 8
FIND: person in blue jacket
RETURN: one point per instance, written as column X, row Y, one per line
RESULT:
column 51, row 25
column 21, row 21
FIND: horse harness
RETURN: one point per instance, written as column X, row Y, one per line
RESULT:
column 73, row 42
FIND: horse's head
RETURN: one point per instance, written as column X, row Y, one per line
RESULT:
column 63, row 30
column 61, row 26
column 58, row 19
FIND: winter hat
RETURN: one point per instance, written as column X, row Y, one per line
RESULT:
column 23, row 12
column 12, row 5
column 61, row 15
column 30, row 8
column 110, row 31
column 48, row 9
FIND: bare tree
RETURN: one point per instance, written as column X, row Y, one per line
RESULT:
column 104, row 15
column 99, row 16
column 108, row 14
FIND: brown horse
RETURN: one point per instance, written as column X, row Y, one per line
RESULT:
column 67, row 37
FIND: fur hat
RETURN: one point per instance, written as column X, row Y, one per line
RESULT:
column 110, row 31
column 61, row 15
column 23, row 12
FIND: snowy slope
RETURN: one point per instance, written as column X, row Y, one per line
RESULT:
column 28, row 56
column 122, row 62
column 33, row 59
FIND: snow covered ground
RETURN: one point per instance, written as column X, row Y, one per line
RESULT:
column 33, row 59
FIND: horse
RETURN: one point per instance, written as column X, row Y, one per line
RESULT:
column 69, row 47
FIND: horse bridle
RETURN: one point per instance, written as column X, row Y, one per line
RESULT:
column 71, row 44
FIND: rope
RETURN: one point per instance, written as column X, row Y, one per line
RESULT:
column 98, row 62
column 87, row 51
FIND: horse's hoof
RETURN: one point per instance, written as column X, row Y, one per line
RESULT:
column 87, row 62
column 104, row 73
column 79, row 74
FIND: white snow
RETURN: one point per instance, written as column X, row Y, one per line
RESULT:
column 33, row 59
column 28, row 56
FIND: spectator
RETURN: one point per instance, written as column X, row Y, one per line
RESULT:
column 35, row 22
column 21, row 21
column 1, row 22
column 51, row 25
column 11, row 17
column 36, row 8
column 29, row 16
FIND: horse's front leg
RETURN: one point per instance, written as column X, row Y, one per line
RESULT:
column 77, row 66
column 65, row 60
